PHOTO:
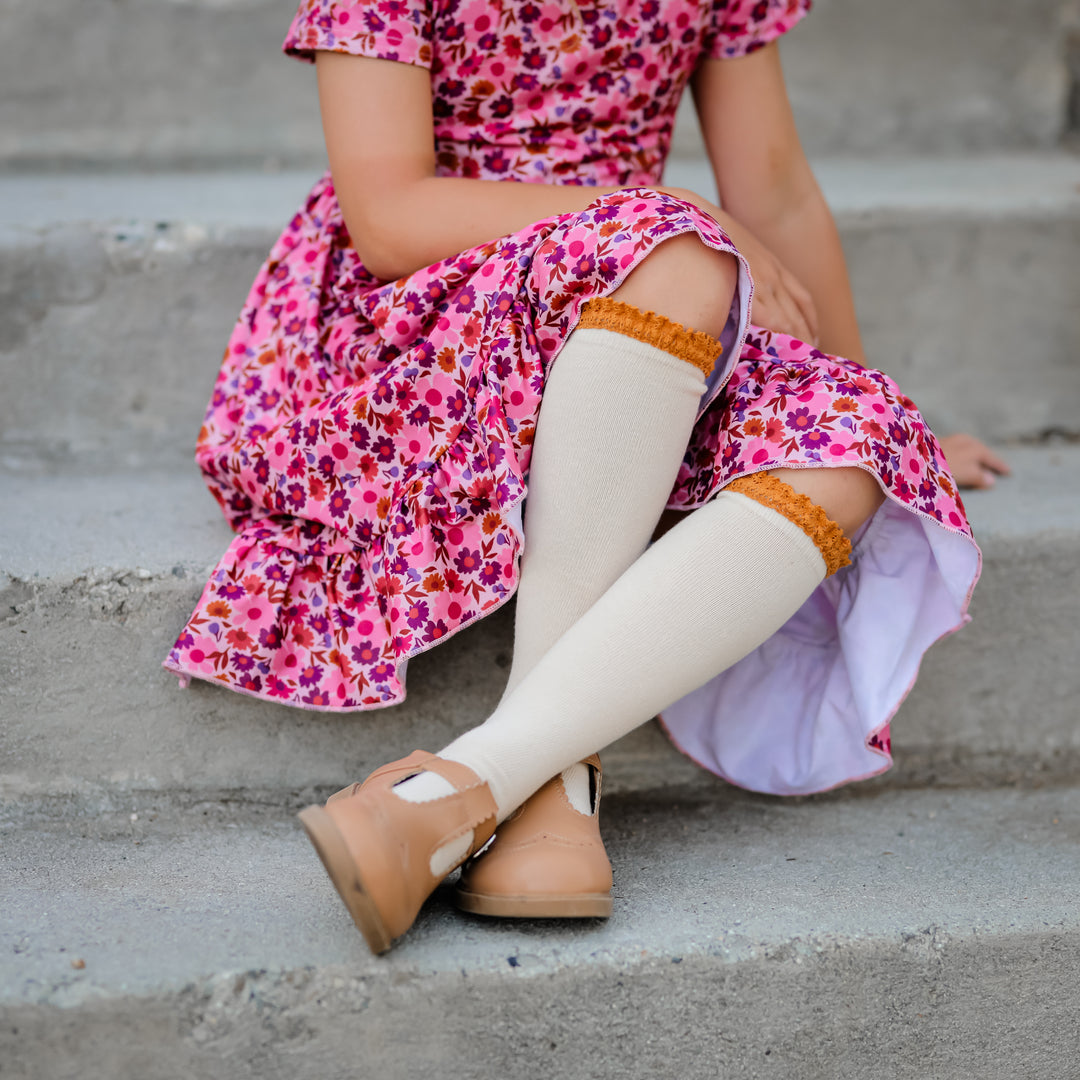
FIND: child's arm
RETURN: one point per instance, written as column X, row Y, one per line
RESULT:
column 765, row 182
column 401, row 217
column 379, row 137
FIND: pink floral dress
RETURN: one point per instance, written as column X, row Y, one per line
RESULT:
column 369, row 441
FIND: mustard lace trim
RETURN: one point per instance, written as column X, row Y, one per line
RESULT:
column 834, row 546
column 695, row 347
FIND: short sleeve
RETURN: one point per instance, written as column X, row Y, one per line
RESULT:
column 382, row 29
column 741, row 27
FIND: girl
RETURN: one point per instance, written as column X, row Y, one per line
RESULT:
column 493, row 232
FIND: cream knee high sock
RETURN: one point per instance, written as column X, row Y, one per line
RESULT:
column 615, row 420
column 705, row 595
column 618, row 409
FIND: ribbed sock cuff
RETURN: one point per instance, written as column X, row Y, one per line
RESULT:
column 694, row 346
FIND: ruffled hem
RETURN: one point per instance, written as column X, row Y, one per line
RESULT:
column 811, row 709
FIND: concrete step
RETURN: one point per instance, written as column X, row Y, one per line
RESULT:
column 908, row 935
column 202, row 82
column 117, row 295
column 100, row 573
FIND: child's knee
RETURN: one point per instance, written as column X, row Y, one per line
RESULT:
column 686, row 281
column 849, row 496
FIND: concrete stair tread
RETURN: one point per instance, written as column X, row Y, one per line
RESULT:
column 183, row 894
column 149, row 523
column 822, row 937
column 969, row 185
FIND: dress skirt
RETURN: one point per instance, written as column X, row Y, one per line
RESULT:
column 369, row 444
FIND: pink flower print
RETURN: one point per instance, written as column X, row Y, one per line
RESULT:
column 275, row 687
column 497, row 162
column 253, row 585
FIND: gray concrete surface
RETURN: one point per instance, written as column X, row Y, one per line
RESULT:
column 117, row 295
column 102, row 572
column 913, row 934
column 195, row 82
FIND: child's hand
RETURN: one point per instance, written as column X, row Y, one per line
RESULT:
column 781, row 301
column 972, row 462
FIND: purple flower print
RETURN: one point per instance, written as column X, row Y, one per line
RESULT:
column 816, row 439
column 801, row 419
column 468, row 562
column 416, row 614
column 310, row 675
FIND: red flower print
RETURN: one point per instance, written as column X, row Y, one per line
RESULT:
column 774, row 430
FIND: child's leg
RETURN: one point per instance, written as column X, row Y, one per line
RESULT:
column 618, row 409
column 706, row 594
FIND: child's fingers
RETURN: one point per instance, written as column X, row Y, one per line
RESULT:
column 991, row 461
column 804, row 302
column 775, row 309
column 972, row 463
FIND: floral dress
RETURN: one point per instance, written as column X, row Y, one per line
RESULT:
column 369, row 441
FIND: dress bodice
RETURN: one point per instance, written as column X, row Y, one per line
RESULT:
column 555, row 92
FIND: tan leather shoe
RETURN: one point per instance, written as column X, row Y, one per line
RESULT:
column 377, row 848
column 547, row 861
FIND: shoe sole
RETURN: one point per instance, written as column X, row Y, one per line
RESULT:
column 332, row 850
column 579, row 906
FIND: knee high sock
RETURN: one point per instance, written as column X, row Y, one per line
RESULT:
column 701, row 598
column 619, row 406
column 618, row 409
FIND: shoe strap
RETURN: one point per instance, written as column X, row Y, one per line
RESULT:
column 414, row 763
column 478, row 804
